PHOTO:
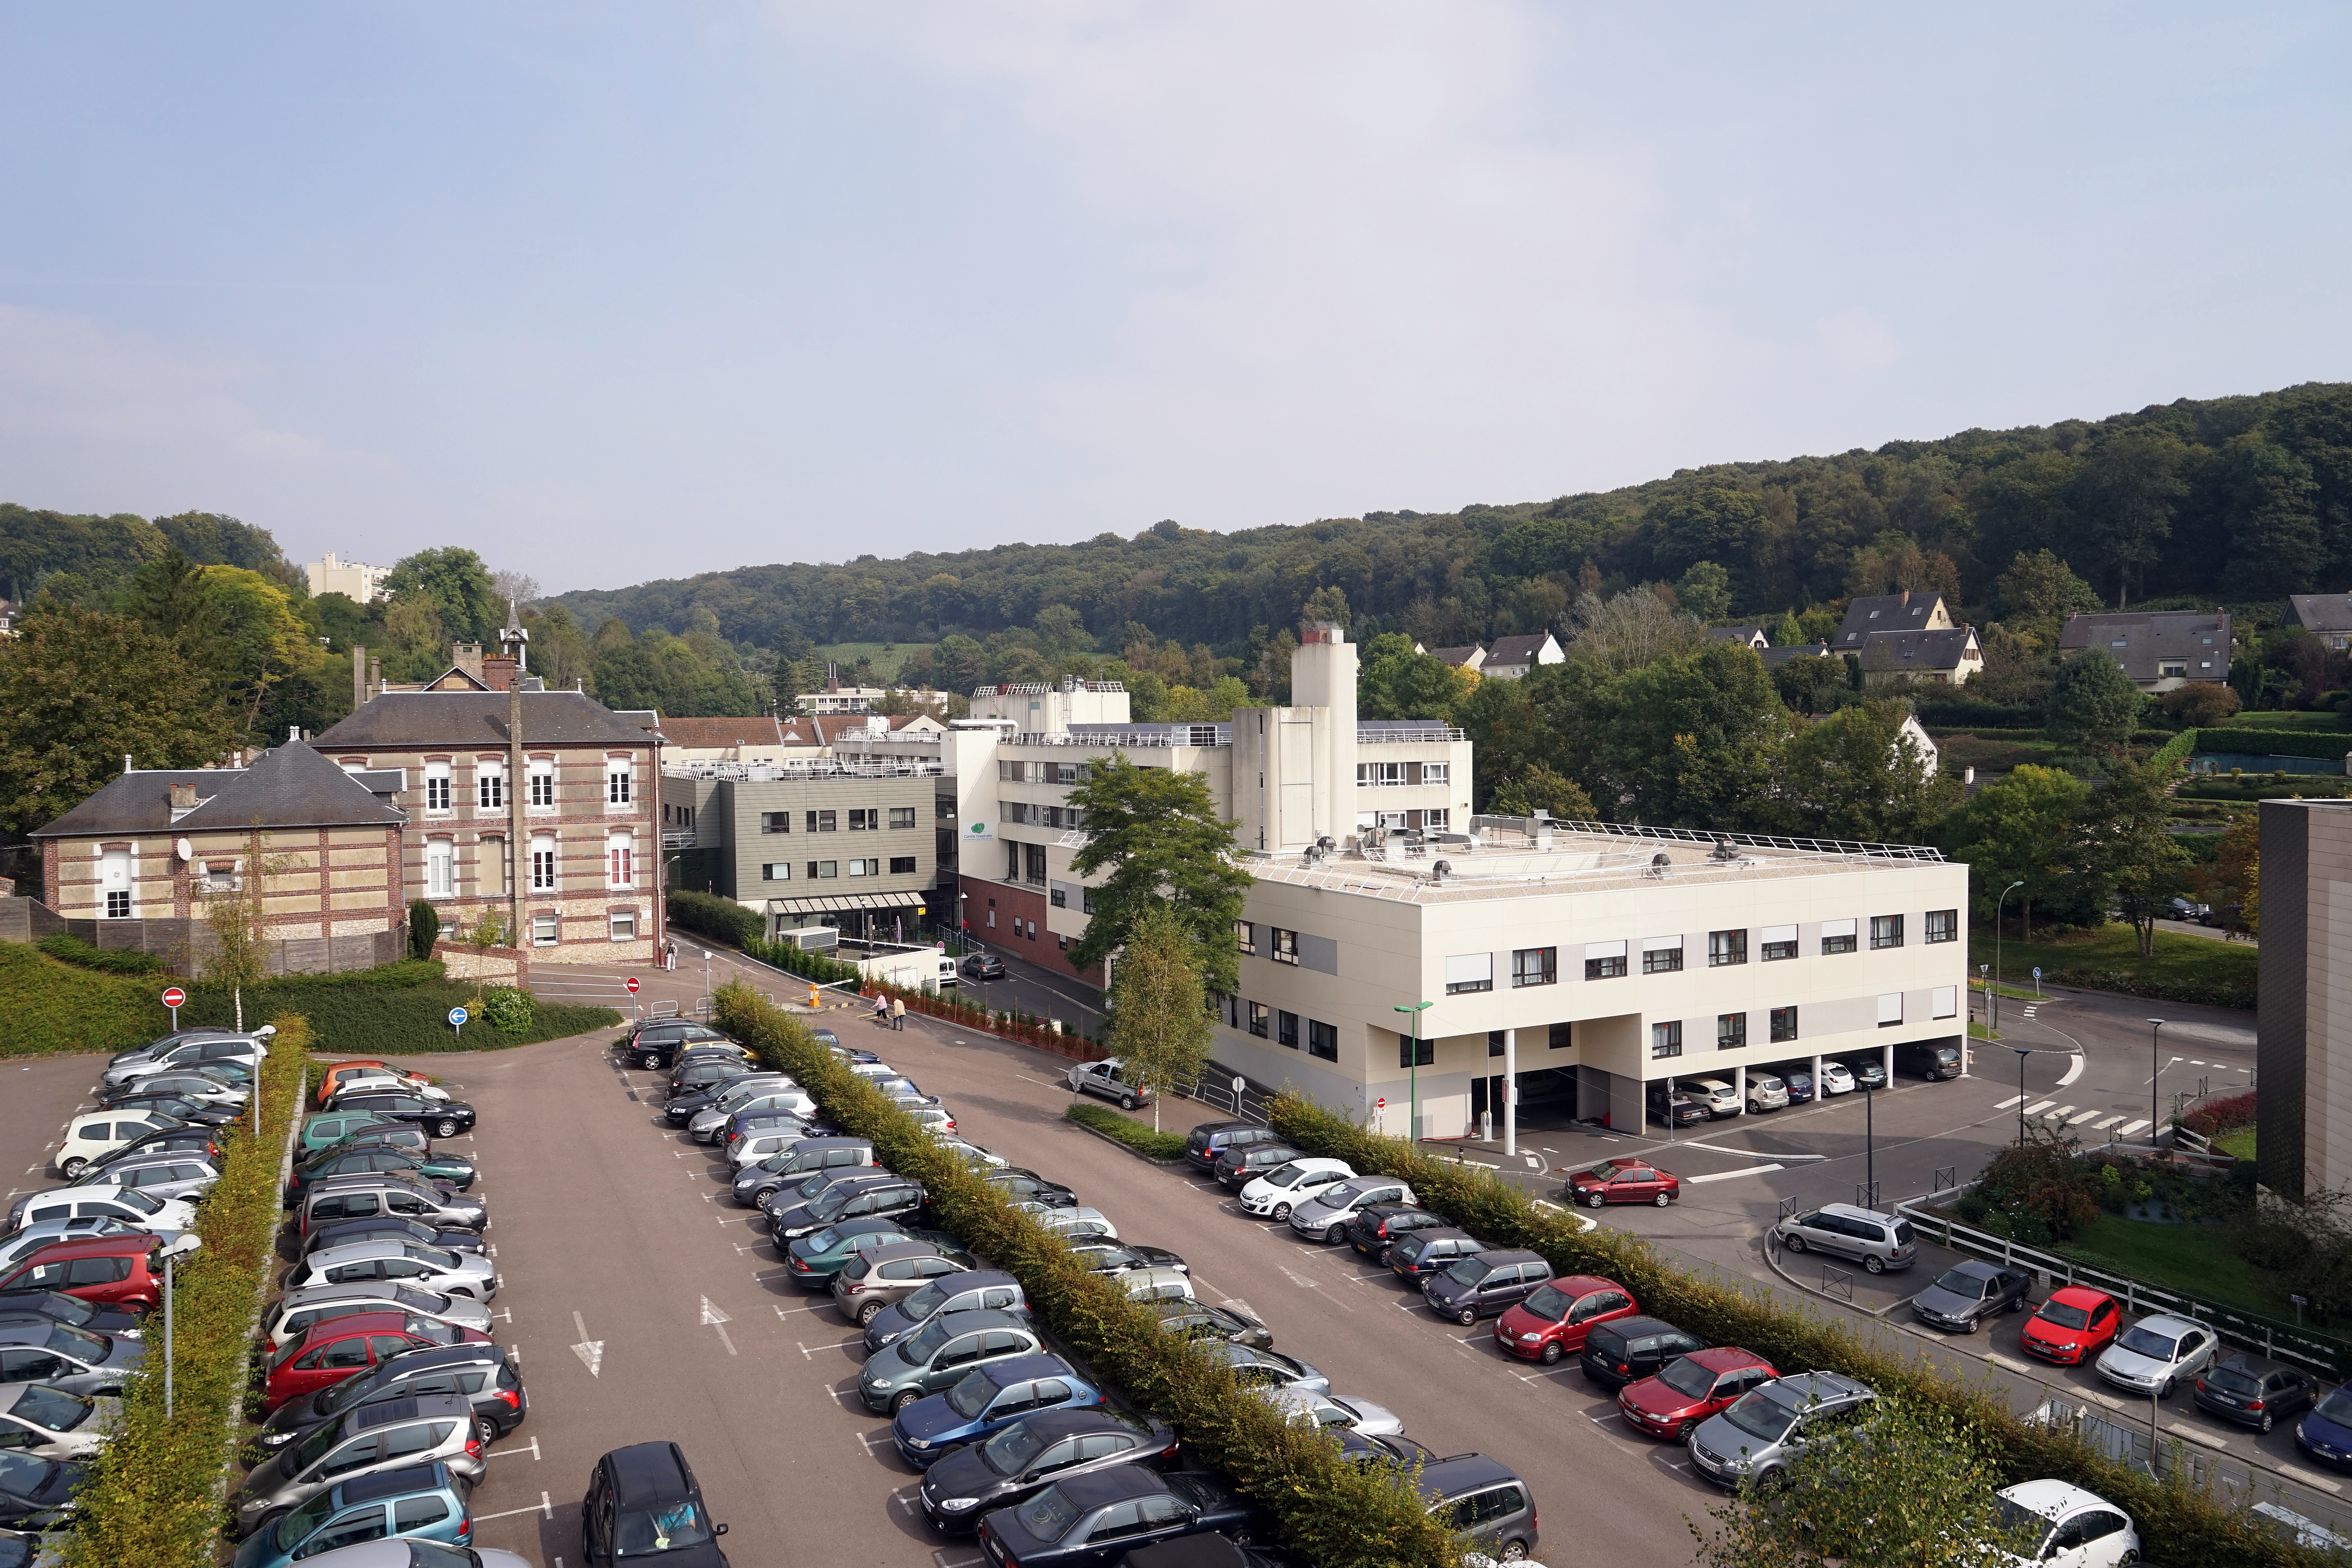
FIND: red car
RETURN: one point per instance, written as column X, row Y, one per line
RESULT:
column 2074, row 1325
column 1624, row 1182
column 1552, row 1322
column 1689, row 1389
column 123, row 1271
column 345, row 1347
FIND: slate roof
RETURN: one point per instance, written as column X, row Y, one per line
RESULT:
column 292, row 786
column 759, row 729
column 2321, row 612
column 2198, row 639
column 1943, row 649
column 412, row 719
column 1774, row 658
column 1511, row 651
column 1752, row 636
column 1458, row 656
column 1903, row 612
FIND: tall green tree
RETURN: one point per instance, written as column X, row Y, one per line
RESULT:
column 2126, row 831
column 1536, row 788
column 1157, row 832
column 457, row 583
column 1692, row 741
column 2124, row 496
column 1394, row 683
column 2093, row 706
column 1855, row 774
column 79, row 692
column 2272, row 520
column 1703, row 593
column 2025, row 828
column 2037, row 593
column 1161, row 1025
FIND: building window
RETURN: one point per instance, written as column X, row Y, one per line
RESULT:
column 1943, row 925
column 1604, row 960
column 1012, row 861
column 902, row 816
column 1562, row 1037
column 775, row 822
column 864, row 821
column 437, row 787
column 1379, row 776
column 220, row 879
column 543, row 864
column 1322, row 1040
column 820, row 822
column 542, row 931
column 1245, row 937
column 1890, row 1009
column 1261, row 1019
column 1286, row 945
column 1469, row 971
column 117, row 904
column 542, row 783
column 1535, row 967
column 819, row 869
column 1495, row 1046
column 1837, row 936
column 440, row 869
column 1886, row 930
column 1725, row 947
column 1779, row 942
column 1439, row 819
column 1784, row 1024
column 776, row 871
column 1412, row 1053
column 624, row 925
column 865, row 869
column 1286, row 1029
column 1436, row 773
column 902, row 865
column 618, row 777
column 1662, row 955
column 1666, row 1039
column 114, row 881
column 490, row 786
column 1730, row 1031
column 2168, row 667
column 1944, row 1002
column 1033, row 864
column 621, row 860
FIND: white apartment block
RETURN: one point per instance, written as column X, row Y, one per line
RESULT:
column 363, row 584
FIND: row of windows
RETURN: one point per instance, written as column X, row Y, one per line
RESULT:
column 490, row 785
column 1044, row 773
column 441, row 865
column 1731, row 1028
column 1029, row 814
column 1389, row 775
column 862, row 819
column 1472, row 972
column 819, row 870
column 1282, row 946
column 1322, row 1040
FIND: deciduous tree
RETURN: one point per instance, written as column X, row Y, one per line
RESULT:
column 1855, row 774
column 1157, row 833
column 1160, row 1020
column 2093, row 706
column 2026, row 828
column 2131, row 850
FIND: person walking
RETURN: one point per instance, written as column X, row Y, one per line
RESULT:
column 881, row 1010
column 897, row 1012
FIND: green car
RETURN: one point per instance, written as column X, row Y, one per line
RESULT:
column 815, row 1260
column 331, row 1128
column 351, row 1158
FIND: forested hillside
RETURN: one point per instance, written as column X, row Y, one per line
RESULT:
column 2237, row 499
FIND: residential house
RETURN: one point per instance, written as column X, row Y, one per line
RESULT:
column 1471, row 658
column 2328, row 615
column 1949, row 656
column 1752, row 636
column 1511, row 658
column 2161, row 650
column 1908, row 611
column 1774, row 658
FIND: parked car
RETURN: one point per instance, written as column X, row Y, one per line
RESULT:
column 1765, row 1092
column 940, row 1353
column 2155, row 1352
column 105, row 1270
column 1155, row 1285
column 1119, row 1257
column 1256, row 1367
column 1379, row 1227
column 754, row 1184
column 442, row 1118
column 882, row 1276
column 1482, row 1501
column 1835, row 1079
column 1024, row 1457
column 985, row 1400
column 1798, row 1078
column 1931, row 1060
column 338, row 1074
column 981, row 966
column 1968, row 1292
column 967, row 1290
column 452, row 1171
column 2243, row 1388
column 1076, row 1225
column 343, row 1233
column 1201, row 1320
column 1210, row 1139
column 85, row 1141
column 423, row 1504
column 297, row 1311
column 694, row 1081
column 1484, row 1284
column 1868, row 1071
column 982, row 1159
column 36, row 1494
column 876, row 1197
column 211, row 1087
column 201, row 1113
column 1390, row 1450
column 2075, row 1324
column 1027, row 1188
column 370, row 1262
column 692, row 1108
column 479, row 1371
column 1624, row 1182
column 74, row 1360
column 57, row 1307
column 1767, row 1426
column 349, row 1198
column 714, row 1121
column 1878, row 1241
column 49, row 1422
column 806, row 1186
column 653, row 1042
column 1103, row 1081
column 1555, row 1320
column 346, row 1347
column 1673, row 1107
column 368, row 1439
column 2059, row 1523
column 932, row 1118
column 1327, row 1214
column 1717, row 1094
column 1419, row 1253
column 817, row 1258
column 761, row 1135
column 202, row 1141
column 1092, row 1520
column 21, row 1244
column 1237, row 1167
column 188, row 1056
column 2326, row 1434
column 1276, row 1193
column 1333, row 1411
column 1674, row 1400
column 643, row 1501
column 173, row 1173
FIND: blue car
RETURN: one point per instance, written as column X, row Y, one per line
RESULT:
column 991, row 1397
column 423, row 1500
column 2326, row 1432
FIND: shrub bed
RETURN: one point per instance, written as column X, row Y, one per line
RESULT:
column 70, row 948
column 1134, row 1134
column 722, row 919
column 154, row 1493
column 2218, row 1116
column 1338, row 1514
column 2182, row 1525
column 47, row 1006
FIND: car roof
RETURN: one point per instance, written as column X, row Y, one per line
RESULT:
column 1975, row 1267
column 2079, row 1296
column 1038, row 1365
column 1851, row 1211
column 1725, row 1358
column 1462, row 1472
column 1584, row 1284
column 137, row 1241
column 1321, row 1163
column 1803, row 1388
column 2261, row 1366
column 1430, row 1232
column 360, row 1251
column 1633, row 1328
column 893, row 1251
column 314, row 1295
column 2052, row 1499
column 415, row 1407
column 394, row 1483
column 979, row 1279
column 2166, row 1323
column 1117, row 1484
column 645, row 1472
column 969, row 1318
column 1064, row 1423
column 386, row 1323
column 25, row 1333
column 1510, row 1254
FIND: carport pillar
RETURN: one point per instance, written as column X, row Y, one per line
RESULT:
column 1739, row 1087
column 1821, row 1086
column 1510, row 1091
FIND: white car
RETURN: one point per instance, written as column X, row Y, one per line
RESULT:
column 90, row 1141
column 2155, row 1352
column 393, row 1082
column 1719, row 1098
column 49, row 1424
column 985, row 1159
column 1836, row 1079
column 391, row 1260
column 1284, row 1188
column 2071, row 1528
column 873, row 1069
column 1766, row 1093
column 192, row 1055
column 297, row 1311
column 1303, row 1407
column 1101, row 1079
column 932, row 1118
column 165, row 1216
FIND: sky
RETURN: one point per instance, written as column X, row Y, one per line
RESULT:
column 611, row 293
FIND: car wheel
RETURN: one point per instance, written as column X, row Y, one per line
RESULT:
column 2165, row 1392
column 73, row 1168
column 1282, row 1211
column 1552, row 1352
column 485, row 1429
column 2268, row 1422
column 904, row 1400
column 868, row 1313
column 1663, row 1199
column 1755, row 1108
column 1467, row 1316
column 1515, row 1551
column 1126, row 1102
column 445, row 1128
column 1595, row 1201
column 1333, row 1236
column 1683, row 1433
column 1874, row 1264
column 270, row 1520
column 649, row 1062
column 1793, row 1242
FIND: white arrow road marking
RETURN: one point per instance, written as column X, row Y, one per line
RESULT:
column 2075, row 1070
column 590, row 1352
column 712, row 1315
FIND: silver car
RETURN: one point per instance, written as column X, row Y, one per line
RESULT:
column 390, row 1259
column 167, row 1217
column 1767, row 1426
column 177, row 1174
column 397, row 1433
column 173, row 1055
column 763, row 1094
column 1878, row 1241
column 1102, row 1079
column 297, row 1311
column 2155, row 1352
column 50, row 1423
column 1305, row 1407
column 66, row 1357
column 1766, row 1093
column 1324, row 1215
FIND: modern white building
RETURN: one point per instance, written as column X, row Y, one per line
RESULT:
column 363, row 584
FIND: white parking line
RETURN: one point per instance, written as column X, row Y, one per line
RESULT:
column 500, row 1453
column 2039, row 1109
column 545, row 1508
column 1727, row 1175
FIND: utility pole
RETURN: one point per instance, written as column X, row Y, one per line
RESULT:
column 1413, row 1063
column 515, row 641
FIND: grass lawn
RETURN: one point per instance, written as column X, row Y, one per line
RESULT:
column 2280, row 720
column 2190, row 1258
column 2241, row 1143
column 887, row 657
column 2180, row 960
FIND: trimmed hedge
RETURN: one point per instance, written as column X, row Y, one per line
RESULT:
column 1338, row 1514
column 69, row 948
column 153, row 1497
column 2330, row 744
column 2123, row 982
column 1134, row 1134
column 723, row 920
column 2182, row 1525
column 48, row 1007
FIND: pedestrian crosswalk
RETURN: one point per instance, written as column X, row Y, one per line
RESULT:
column 2086, row 1116
column 2011, row 1103
column 2072, row 1116
column 2039, row 1106
column 2128, row 1127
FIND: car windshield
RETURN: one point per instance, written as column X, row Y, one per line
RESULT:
column 425, row 1554
column 1467, row 1271
column 1049, row 1515
column 970, row 1397
column 2145, row 1341
column 2336, row 1407
column 336, row 1395
column 1284, row 1175
column 825, row 1240
column 418, row 1301
column 1687, row 1378
column 1760, row 1416
column 2021, row 1524
column 1551, row 1303
column 52, row 1409
column 314, row 1448
column 295, row 1526
column 925, row 1302
column 77, row 1343
column 1011, row 1450
column 1902, row 1232
column 1960, row 1282
column 925, row 1344
column 2064, row 1315
column 827, row 1204
column 131, row 1198
column 1606, row 1170
column 1342, row 1195
column 665, row 1527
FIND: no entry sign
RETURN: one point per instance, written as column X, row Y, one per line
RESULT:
column 173, row 997
column 633, row 986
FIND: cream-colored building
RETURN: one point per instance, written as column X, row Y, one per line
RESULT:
column 364, row 584
column 2303, row 1021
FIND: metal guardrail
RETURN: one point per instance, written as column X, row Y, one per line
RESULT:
column 1838, row 1283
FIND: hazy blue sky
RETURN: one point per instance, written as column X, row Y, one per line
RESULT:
column 617, row 292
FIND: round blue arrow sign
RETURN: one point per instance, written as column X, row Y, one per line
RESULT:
column 457, row 1016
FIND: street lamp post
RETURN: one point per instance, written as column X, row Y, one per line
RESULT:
column 1869, row 1143
column 1412, row 1062
column 2023, row 1052
column 2155, row 1028
column 1992, row 997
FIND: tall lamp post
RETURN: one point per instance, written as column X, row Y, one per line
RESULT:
column 2155, row 1028
column 1869, row 1144
column 1412, row 1061
column 1992, row 997
column 2023, row 1052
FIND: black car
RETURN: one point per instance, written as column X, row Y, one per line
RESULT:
column 873, row 1197
column 2255, row 1390
column 656, row 1042
column 691, row 1078
column 1968, row 1292
column 449, row 1171
column 1206, row 1142
column 1202, row 1321
column 1397, row 1452
column 1481, row 1285
column 1627, row 1349
column 1027, row 1186
column 57, row 1307
column 1024, row 1457
column 1687, row 1111
column 441, row 1118
column 684, row 1105
column 1376, row 1226
column 179, row 1105
column 389, row 1227
column 1093, row 1520
column 1235, row 1168
column 643, row 1500
column 477, row 1372
column 37, row 1493
column 1417, row 1254
column 981, row 966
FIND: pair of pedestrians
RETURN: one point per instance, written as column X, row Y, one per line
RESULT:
column 890, row 1013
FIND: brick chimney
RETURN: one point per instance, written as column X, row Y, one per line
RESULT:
column 184, row 797
column 498, row 673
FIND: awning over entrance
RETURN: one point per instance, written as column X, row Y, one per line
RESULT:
column 837, row 903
